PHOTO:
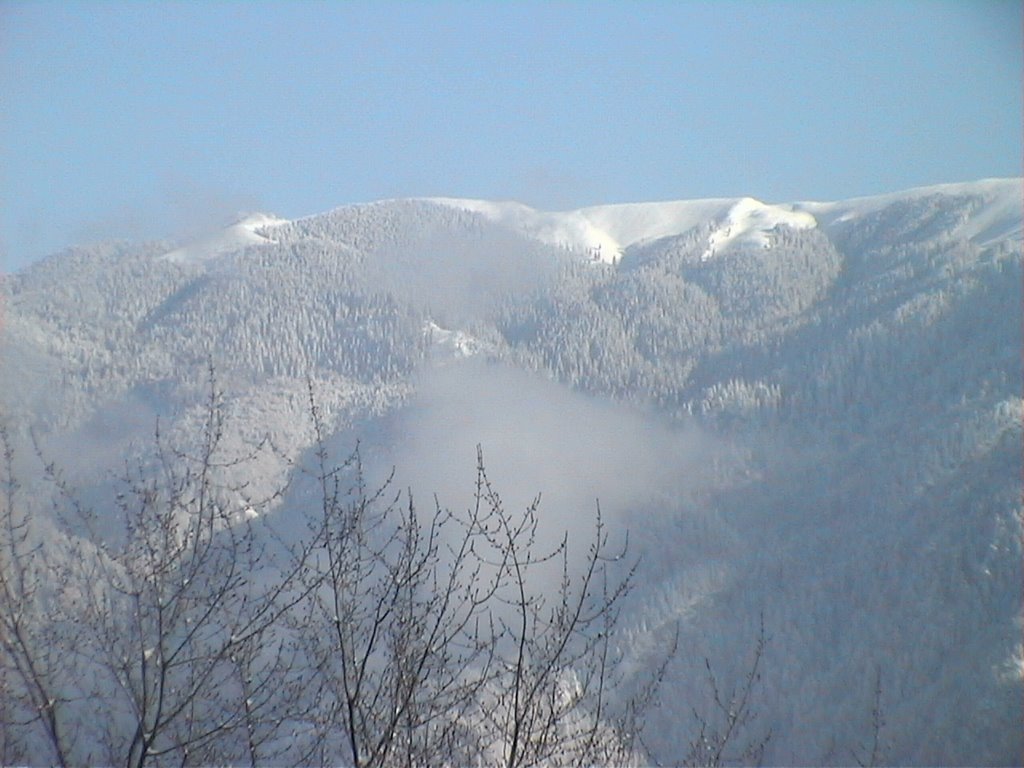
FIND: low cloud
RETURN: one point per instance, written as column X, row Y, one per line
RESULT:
column 182, row 211
column 540, row 437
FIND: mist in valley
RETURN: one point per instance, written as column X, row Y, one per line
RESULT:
column 813, row 431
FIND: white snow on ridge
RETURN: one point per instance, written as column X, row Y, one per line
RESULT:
column 750, row 221
column 249, row 230
column 631, row 223
column 569, row 229
column 607, row 230
column 1000, row 217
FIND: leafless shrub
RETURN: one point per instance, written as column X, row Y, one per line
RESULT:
column 724, row 733
column 178, row 626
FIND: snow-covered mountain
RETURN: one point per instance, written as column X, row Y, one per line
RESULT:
column 252, row 229
column 805, row 411
column 608, row 230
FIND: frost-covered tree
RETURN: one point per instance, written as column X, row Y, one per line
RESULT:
column 185, row 623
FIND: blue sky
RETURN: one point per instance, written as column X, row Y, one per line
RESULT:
column 157, row 119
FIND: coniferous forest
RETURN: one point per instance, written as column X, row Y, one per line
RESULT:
column 425, row 482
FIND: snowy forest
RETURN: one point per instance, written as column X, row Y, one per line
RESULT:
column 441, row 481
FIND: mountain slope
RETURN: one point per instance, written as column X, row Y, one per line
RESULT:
column 807, row 411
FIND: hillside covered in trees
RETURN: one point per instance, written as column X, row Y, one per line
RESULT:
column 807, row 417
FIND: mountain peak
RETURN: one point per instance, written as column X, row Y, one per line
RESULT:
column 248, row 229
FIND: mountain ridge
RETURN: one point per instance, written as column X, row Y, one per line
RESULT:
column 608, row 230
column 825, row 431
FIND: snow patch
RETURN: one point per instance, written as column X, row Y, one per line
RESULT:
column 250, row 230
column 570, row 229
column 632, row 223
column 751, row 222
column 453, row 344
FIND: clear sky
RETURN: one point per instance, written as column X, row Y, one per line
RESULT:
column 157, row 119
